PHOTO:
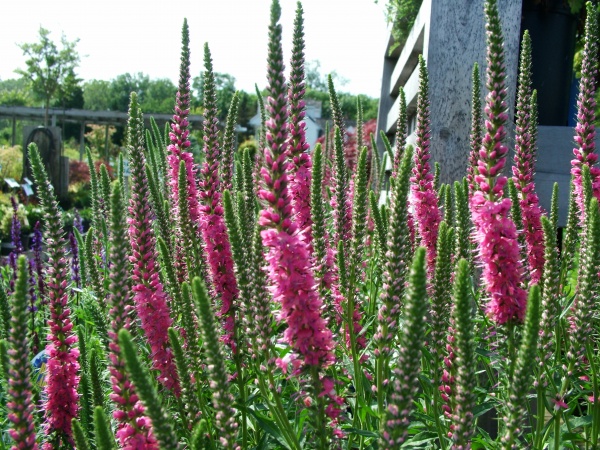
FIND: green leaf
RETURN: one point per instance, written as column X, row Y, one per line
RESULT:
column 268, row 426
column 479, row 410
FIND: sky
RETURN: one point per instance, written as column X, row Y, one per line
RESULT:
column 119, row 36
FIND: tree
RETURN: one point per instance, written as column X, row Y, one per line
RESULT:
column 159, row 96
column 50, row 71
column 96, row 95
column 225, row 87
column 15, row 92
column 317, row 81
column 317, row 89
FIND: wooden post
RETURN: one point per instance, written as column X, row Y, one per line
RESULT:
column 106, row 143
column 13, row 138
column 82, row 141
column 451, row 36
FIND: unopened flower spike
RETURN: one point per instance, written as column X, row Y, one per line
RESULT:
column 19, row 405
column 359, row 230
column 401, row 134
column 229, row 144
column 550, row 300
column 476, row 131
column 321, row 248
column 300, row 160
column 465, row 381
column 440, row 301
column 222, row 398
column 404, row 383
column 520, row 381
column 396, row 267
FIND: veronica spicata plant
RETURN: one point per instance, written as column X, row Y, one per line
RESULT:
column 247, row 301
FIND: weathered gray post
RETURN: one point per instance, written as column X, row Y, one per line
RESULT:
column 451, row 36
column 49, row 144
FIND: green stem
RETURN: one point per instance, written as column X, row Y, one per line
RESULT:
column 541, row 408
column 595, row 393
column 320, row 420
column 436, row 414
column 242, row 389
column 380, row 367
column 278, row 411
column 557, row 417
column 355, row 358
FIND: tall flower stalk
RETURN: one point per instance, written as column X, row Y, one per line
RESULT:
column 495, row 233
column 151, row 301
column 212, row 222
column 585, row 130
column 134, row 429
column 424, row 197
column 300, row 164
column 61, row 378
column 179, row 135
column 293, row 284
column 396, row 267
column 19, row 404
column 523, row 169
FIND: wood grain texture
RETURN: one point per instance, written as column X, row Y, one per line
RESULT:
column 456, row 41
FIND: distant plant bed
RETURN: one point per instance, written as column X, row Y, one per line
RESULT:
column 11, row 162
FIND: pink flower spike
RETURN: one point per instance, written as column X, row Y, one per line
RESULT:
column 495, row 232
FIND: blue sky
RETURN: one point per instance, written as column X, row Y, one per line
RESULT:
column 118, row 36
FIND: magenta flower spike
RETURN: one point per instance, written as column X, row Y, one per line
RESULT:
column 301, row 164
column 150, row 299
column 424, row 198
column 134, row 430
column 585, row 130
column 179, row 135
column 290, row 274
column 523, row 169
column 212, row 220
column 62, row 367
column 495, row 232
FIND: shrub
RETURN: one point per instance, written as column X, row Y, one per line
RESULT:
column 11, row 161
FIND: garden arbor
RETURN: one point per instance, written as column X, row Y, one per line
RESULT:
column 56, row 164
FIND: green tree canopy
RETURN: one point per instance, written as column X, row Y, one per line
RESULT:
column 225, row 87
column 15, row 92
column 50, row 70
column 155, row 96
